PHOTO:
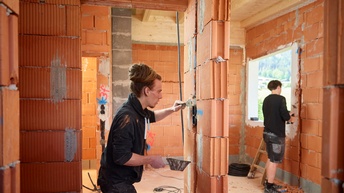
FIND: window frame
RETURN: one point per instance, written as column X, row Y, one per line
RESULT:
column 251, row 75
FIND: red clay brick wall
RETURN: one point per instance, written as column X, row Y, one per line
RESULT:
column 50, row 96
column 89, row 108
column 235, row 91
column 207, row 146
column 165, row 136
column 9, row 99
column 303, row 154
column 96, row 46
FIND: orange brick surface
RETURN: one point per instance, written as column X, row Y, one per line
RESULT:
column 166, row 134
column 5, row 180
column 332, row 142
column 190, row 146
column 51, row 177
column 58, row 20
column 190, row 21
column 46, row 115
column 191, row 176
column 4, row 47
column 205, row 81
column 13, row 47
column 41, row 51
column 212, row 10
column 211, row 44
column 214, row 153
column 36, row 83
column 210, row 116
column 54, row 144
column 57, row 2
column 9, row 127
column 11, row 4
column 206, row 183
column 308, row 31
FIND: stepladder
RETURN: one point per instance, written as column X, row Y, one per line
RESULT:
column 255, row 164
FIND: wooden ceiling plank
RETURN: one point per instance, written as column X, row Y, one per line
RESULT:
column 237, row 4
column 275, row 10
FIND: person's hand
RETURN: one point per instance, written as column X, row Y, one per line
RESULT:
column 157, row 162
column 178, row 105
column 292, row 118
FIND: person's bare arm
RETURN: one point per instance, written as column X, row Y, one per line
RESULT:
column 138, row 160
column 161, row 114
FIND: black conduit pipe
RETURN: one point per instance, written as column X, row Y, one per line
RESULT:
column 179, row 76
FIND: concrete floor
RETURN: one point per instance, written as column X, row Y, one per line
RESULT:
column 170, row 180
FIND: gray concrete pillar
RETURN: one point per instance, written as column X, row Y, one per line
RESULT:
column 121, row 55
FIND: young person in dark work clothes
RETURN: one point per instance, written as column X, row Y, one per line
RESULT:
column 123, row 158
column 275, row 116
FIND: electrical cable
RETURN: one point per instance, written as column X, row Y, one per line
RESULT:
column 169, row 189
column 94, row 186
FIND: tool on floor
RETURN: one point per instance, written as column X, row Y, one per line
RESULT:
column 255, row 164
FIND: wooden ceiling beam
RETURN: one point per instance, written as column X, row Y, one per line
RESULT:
column 146, row 15
column 168, row 5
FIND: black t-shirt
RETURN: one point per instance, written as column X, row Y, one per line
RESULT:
column 125, row 138
column 275, row 114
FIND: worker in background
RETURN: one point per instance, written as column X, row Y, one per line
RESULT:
column 123, row 158
column 275, row 116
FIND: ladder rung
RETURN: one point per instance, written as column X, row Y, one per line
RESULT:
column 258, row 166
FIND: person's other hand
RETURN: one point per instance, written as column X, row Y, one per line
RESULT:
column 157, row 162
column 178, row 105
column 292, row 119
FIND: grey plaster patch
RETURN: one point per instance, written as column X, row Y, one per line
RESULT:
column 190, row 54
column 199, row 146
column 121, row 12
column 200, row 19
column 233, row 159
column 119, row 73
column 70, row 140
column 58, row 86
column 121, row 41
column 121, row 24
column 287, row 177
column 120, row 91
column 104, row 66
column 310, row 187
column 122, row 57
column 296, row 23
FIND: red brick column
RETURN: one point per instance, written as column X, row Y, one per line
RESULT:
column 207, row 143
